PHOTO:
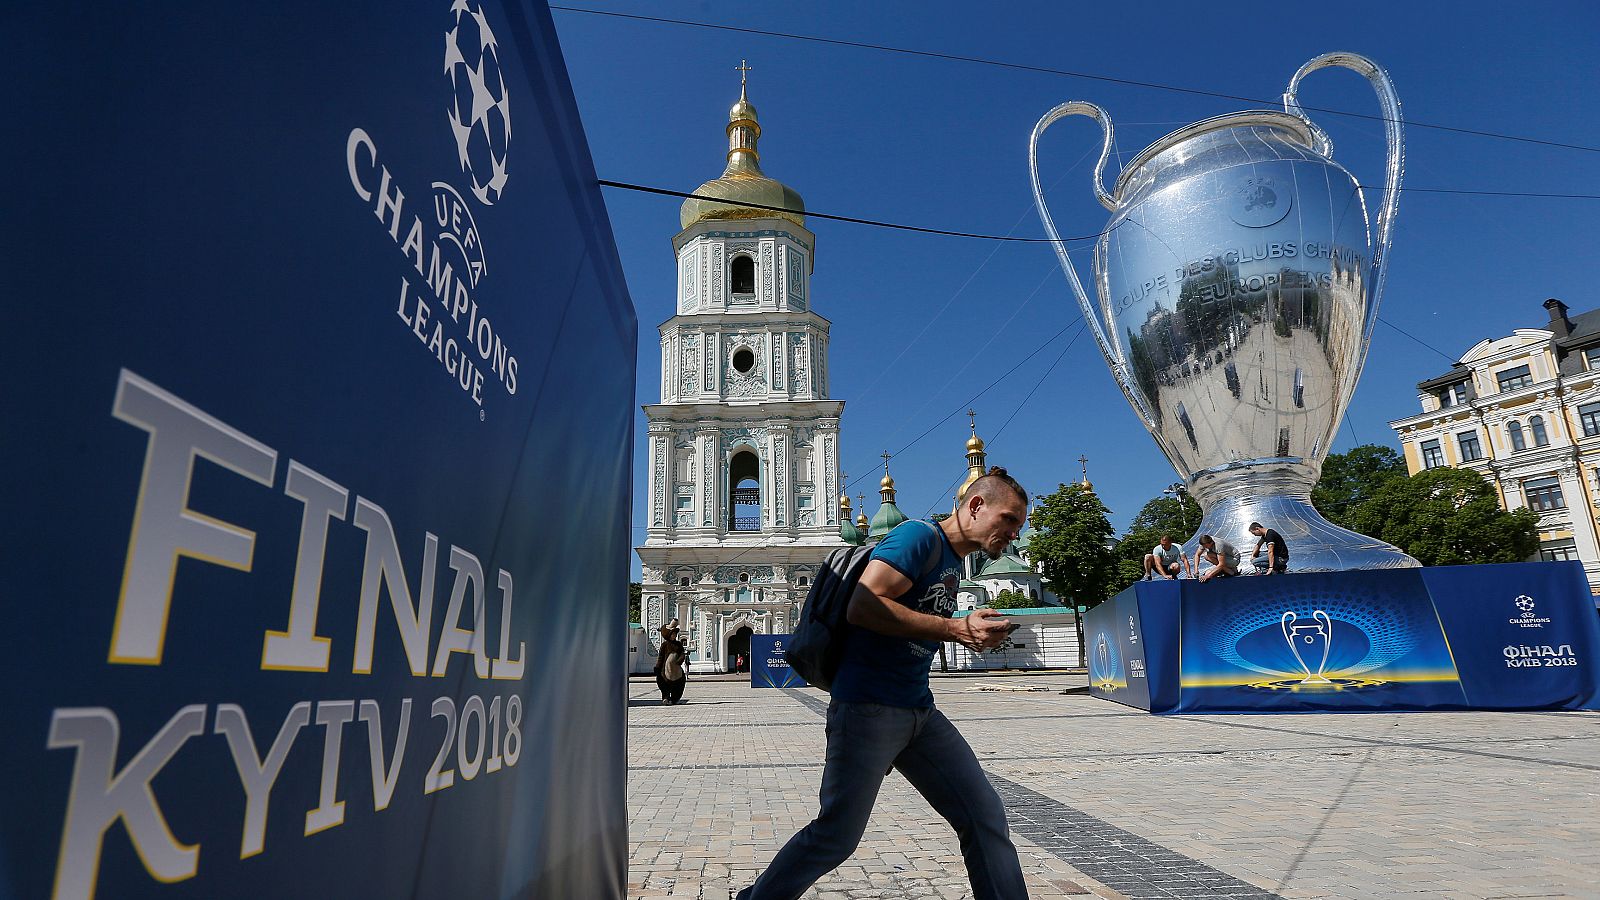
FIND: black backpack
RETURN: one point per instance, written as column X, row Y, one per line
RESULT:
column 817, row 645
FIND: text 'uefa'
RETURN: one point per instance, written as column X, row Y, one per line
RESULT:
column 471, row 341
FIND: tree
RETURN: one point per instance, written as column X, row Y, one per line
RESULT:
column 1009, row 599
column 938, row 517
column 1352, row 478
column 634, row 591
column 1069, row 541
column 1447, row 516
column 1177, row 516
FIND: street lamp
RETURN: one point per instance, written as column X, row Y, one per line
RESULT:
column 1177, row 491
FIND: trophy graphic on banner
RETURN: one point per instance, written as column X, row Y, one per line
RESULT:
column 1239, row 284
column 1304, row 639
column 1103, row 650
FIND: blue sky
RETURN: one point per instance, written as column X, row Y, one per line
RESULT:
column 943, row 144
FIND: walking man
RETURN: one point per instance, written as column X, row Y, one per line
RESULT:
column 1277, row 551
column 1223, row 556
column 882, row 714
column 1167, row 559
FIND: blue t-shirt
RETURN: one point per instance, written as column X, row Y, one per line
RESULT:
column 894, row 670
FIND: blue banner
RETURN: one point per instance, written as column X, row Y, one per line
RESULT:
column 319, row 411
column 768, row 668
column 1515, row 636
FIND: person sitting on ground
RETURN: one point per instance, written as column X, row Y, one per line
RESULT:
column 1167, row 559
column 1223, row 556
column 1277, row 558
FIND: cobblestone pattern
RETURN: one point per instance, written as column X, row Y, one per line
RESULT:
column 1460, row 805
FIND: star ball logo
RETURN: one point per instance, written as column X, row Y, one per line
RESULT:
column 1526, row 617
column 480, row 111
column 1258, row 204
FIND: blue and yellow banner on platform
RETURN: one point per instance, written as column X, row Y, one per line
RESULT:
column 318, row 416
column 768, row 668
column 1517, row 636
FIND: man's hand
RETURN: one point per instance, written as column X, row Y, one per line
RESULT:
column 980, row 630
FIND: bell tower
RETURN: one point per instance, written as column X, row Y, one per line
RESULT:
column 744, row 445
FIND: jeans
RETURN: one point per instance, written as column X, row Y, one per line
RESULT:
column 865, row 740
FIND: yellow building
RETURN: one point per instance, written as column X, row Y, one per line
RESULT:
column 1523, row 411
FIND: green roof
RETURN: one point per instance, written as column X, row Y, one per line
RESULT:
column 885, row 520
column 1006, row 565
column 849, row 533
column 1027, row 611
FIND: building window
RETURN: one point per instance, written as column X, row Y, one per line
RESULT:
column 685, row 504
column 742, row 275
column 1558, row 551
column 1518, row 442
column 744, row 577
column 684, row 581
column 1468, row 440
column 1544, row 494
column 802, row 581
column 1536, row 425
column 1454, row 395
column 744, row 360
column 1591, row 358
column 1589, row 415
column 1512, row 379
column 1432, row 456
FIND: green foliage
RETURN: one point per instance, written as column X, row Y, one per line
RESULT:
column 938, row 517
column 634, row 591
column 1071, row 532
column 1447, row 516
column 1009, row 599
column 1350, row 479
column 1162, row 515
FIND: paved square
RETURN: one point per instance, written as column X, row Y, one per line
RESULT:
column 1109, row 801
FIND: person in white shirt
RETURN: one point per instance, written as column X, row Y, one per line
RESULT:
column 1223, row 556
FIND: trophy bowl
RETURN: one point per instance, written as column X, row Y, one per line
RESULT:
column 1238, row 282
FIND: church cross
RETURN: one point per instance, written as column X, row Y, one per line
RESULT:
column 744, row 70
column 972, row 416
column 886, row 462
column 1084, row 461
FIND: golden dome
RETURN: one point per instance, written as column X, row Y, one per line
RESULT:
column 974, row 444
column 743, row 181
column 886, row 484
column 862, row 523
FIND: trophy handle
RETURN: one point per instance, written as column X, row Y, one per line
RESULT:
column 1327, row 643
column 1394, row 168
column 1085, row 108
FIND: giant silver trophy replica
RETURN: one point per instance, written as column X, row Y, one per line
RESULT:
column 1239, row 287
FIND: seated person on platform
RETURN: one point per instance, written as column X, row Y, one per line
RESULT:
column 1277, row 558
column 1223, row 556
column 1166, row 558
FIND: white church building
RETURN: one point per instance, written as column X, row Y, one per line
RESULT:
column 744, row 445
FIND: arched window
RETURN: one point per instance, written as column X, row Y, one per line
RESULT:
column 684, row 581
column 1517, row 440
column 742, row 275
column 802, row 581
column 1536, row 425
column 744, row 490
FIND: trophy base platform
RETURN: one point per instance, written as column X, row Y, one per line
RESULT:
column 1315, row 544
column 1513, row 636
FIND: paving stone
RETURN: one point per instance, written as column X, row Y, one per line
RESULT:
column 1111, row 802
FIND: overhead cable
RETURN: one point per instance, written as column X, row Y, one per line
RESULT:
column 1046, row 70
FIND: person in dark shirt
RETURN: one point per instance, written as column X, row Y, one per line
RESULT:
column 882, row 715
column 1277, row 559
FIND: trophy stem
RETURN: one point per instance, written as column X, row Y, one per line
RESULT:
column 1277, row 493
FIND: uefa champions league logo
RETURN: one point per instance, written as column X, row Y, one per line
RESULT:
column 1526, row 617
column 480, row 108
column 1103, row 651
column 1258, row 203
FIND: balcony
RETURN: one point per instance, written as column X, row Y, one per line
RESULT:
column 746, row 523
